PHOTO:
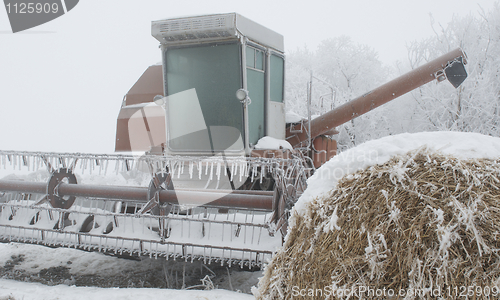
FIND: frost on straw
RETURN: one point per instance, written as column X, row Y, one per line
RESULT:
column 421, row 221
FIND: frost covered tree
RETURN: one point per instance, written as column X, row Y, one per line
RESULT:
column 475, row 105
column 350, row 70
column 340, row 71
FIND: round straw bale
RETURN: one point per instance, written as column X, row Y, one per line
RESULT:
column 421, row 226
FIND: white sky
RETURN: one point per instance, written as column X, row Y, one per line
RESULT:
column 62, row 83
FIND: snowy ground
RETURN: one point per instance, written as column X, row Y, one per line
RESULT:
column 61, row 273
column 10, row 290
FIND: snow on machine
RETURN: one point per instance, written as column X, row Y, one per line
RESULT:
column 215, row 179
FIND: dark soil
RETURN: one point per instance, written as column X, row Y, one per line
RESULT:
column 159, row 274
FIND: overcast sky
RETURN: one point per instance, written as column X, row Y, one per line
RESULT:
column 62, row 83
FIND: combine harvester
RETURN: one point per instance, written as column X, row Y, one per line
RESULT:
column 210, row 194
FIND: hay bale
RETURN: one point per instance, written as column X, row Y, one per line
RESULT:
column 420, row 224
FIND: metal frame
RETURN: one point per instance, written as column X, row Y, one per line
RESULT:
column 241, row 214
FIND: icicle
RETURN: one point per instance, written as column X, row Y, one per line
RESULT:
column 218, row 171
column 172, row 168
column 211, row 170
column 232, row 171
column 191, row 165
column 179, row 169
column 97, row 164
column 262, row 170
column 127, row 166
column 199, row 169
column 106, row 167
column 32, row 163
column 88, row 165
column 253, row 173
column 117, row 167
column 83, row 165
column 26, row 162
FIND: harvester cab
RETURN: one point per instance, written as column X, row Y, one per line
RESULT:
column 223, row 81
column 206, row 192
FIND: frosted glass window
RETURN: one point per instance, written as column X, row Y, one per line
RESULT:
column 277, row 78
column 250, row 57
column 255, row 58
column 259, row 60
column 255, row 84
column 214, row 72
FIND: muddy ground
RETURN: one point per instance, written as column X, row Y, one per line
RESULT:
column 121, row 273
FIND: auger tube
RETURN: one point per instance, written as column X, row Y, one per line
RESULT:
column 379, row 96
column 236, row 199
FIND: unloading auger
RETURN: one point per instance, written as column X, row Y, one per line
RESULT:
column 204, row 187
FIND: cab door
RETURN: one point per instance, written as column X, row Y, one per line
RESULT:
column 255, row 69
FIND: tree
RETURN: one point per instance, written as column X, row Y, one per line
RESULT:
column 349, row 70
column 342, row 70
column 474, row 106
